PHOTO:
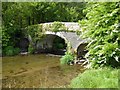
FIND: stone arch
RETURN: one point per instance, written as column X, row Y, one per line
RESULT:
column 81, row 50
column 59, row 34
column 45, row 45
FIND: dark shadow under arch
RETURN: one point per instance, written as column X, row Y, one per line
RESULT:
column 52, row 44
column 81, row 50
column 24, row 44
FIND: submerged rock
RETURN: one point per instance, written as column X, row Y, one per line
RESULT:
column 24, row 53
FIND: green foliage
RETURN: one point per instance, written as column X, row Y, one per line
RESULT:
column 16, row 51
column 70, row 50
column 0, row 41
column 66, row 58
column 78, row 32
column 35, row 31
column 5, row 37
column 10, row 51
column 8, row 44
column 96, row 78
column 103, row 27
column 31, row 49
column 27, row 13
column 57, row 26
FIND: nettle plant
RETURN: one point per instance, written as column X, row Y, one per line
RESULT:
column 104, row 31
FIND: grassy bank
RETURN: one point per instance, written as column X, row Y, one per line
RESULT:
column 96, row 78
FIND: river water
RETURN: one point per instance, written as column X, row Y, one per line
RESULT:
column 37, row 71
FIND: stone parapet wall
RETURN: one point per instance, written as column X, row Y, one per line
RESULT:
column 70, row 26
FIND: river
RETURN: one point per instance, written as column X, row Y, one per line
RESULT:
column 37, row 71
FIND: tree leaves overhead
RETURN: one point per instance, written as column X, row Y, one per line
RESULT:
column 41, row 12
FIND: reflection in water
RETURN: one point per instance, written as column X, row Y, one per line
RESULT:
column 37, row 71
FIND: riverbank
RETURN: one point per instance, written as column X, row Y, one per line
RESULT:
column 97, row 78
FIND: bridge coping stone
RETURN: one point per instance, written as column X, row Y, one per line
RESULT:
column 69, row 25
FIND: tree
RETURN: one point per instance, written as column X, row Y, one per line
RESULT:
column 102, row 25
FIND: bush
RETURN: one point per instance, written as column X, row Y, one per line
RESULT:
column 16, row 51
column 10, row 51
column 104, row 31
column 31, row 49
column 66, row 58
column 96, row 78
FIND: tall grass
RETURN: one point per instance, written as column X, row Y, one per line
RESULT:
column 96, row 78
column 66, row 58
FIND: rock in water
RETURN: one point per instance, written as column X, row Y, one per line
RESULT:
column 24, row 53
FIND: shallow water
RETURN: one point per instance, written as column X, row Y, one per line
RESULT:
column 37, row 71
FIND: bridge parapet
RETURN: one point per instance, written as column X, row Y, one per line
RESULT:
column 69, row 26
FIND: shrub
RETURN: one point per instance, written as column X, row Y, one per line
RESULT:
column 9, row 51
column 31, row 49
column 66, row 58
column 96, row 78
column 104, row 31
column 16, row 51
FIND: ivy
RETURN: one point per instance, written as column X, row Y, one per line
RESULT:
column 35, row 31
column 55, row 27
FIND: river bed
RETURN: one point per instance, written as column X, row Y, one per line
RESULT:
column 37, row 71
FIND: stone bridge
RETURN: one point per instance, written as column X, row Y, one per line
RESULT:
column 70, row 38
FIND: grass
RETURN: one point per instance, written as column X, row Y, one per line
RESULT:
column 96, row 78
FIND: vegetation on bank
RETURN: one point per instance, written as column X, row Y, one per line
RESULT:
column 96, row 78
column 66, row 58
column 102, row 25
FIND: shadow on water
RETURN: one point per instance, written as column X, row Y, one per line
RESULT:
column 37, row 71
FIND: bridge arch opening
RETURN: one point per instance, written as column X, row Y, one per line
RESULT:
column 81, row 50
column 24, row 44
column 52, row 44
